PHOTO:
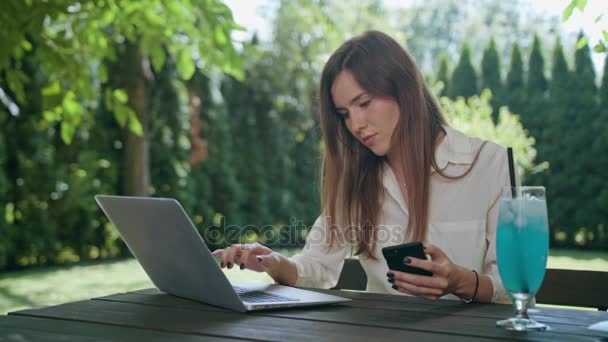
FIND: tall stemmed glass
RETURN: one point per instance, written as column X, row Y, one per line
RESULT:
column 522, row 246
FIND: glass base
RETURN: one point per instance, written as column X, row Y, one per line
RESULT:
column 521, row 324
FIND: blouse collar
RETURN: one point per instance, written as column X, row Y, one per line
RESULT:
column 455, row 148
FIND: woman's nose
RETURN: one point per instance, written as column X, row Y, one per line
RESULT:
column 359, row 121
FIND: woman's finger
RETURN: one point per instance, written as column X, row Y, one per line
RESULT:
column 435, row 252
column 418, row 290
column 242, row 259
column 419, row 263
column 231, row 254
column 434, row 282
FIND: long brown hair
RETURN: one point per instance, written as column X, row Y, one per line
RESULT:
column 351, row 175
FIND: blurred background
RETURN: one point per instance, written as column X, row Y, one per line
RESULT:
column 213, row 103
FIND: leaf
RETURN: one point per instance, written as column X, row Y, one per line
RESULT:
column 581, row 4
column 121, row 95
column 52, row 89
column 67, row 132
column 185, row 64
column 605, row 34
column 121, row 113
column 157, row 55
column 234, row 66
column 599, row 17
column 600, row 48
column 135, row 125
column 568, row 10
column 72, row 107
column 26, row 45
column 582, row 42
column 72, row 113
column 49, row 116
column 103, row 73
column 107, row 100
column 16, row 79
column 220, row 36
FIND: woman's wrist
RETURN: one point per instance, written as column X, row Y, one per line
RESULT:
column 285, row 271
column 469, row 281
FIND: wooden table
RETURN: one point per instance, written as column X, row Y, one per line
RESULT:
column 149, row 315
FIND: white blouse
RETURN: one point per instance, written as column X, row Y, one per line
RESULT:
column 462, row 219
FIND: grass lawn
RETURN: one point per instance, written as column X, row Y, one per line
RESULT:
column 55, row 285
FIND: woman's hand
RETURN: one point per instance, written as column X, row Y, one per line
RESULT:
column 447, row 276
column 253, row 256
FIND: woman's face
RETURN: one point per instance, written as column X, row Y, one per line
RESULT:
column 370, row 119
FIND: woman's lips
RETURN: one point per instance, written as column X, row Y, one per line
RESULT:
column 369, row 139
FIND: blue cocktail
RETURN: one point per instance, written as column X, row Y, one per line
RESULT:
column 522, row 246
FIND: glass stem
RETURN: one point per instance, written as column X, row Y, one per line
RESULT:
column 521, row 308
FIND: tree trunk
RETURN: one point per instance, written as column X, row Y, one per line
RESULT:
column 136, row 77
column 199, row 151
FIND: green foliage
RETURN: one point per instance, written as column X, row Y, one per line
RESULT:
column 585, row 173
column 490, row 68
column 170, row 137
column 552, row 142
column 602, row 44
column 598, row 150
column 473, row 116
column 51, row 219
column 580, row 4
column 514, row 85
column 60, row 80
column 83, row 34
column 443, row 75
column 464, row 79
column 536, row 90
column 604, row 86
column 490, row 76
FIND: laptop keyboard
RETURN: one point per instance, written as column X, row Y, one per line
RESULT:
column 260, row 296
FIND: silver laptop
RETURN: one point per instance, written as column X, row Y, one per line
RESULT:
column 161, row 236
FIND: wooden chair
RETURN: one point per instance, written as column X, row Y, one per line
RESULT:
column 560, row 287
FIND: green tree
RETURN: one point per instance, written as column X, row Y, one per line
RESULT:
column 170, row 137
column 559, row 184
column 116, row 53
column 598, row 150
column 490, row 75
column 6, row 189
column 536, row 92
column 473, row 116
column 61, row 33
column 218, row 193
column 585, row 172
column 28, row 151
column 443, row 74
column 464, row 79
column 514, row 85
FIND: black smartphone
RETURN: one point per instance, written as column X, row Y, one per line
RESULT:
column 394, row 256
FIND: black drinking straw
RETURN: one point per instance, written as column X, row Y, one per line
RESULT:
column 511, row 171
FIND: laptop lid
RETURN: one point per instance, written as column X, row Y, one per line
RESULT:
column 164, row 241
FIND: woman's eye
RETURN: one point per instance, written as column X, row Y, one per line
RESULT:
column 343, row 114
column 365, row 103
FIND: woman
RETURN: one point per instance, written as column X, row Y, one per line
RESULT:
column 393, row 171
